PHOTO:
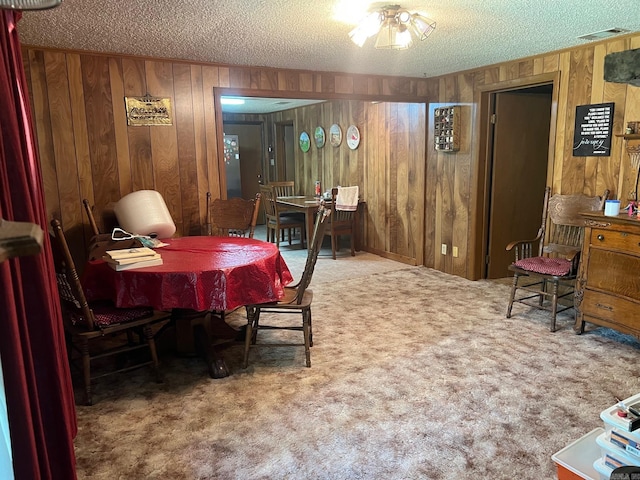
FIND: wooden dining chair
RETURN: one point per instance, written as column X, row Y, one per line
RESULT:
column 92, row 221
column 275, row 222
column 94, row 329
column 101, row 242
column 283, row 189
column 341, row 223
column 234, row 217
column 286, row 189
column 548, row 263
column 296, row 300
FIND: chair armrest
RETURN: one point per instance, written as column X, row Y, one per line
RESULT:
column 524, row 248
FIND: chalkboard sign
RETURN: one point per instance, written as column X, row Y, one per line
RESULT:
column 592, row 135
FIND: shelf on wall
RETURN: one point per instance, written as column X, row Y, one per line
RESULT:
column 447, row 129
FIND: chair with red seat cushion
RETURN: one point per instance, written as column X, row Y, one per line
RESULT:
column 89, row 324
column 551, row 268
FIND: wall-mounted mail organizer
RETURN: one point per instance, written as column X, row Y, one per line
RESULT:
column 447, row 128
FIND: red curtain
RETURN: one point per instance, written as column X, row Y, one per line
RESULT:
column 40, row 402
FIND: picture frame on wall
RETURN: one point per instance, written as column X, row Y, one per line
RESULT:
column 335, row 135
column 319, row 136
column 305, row 142
column 353, row 137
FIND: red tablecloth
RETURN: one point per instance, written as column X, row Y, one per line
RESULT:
column 199, row 273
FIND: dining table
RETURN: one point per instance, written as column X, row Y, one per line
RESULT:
column 309, row 205
column 199, row 275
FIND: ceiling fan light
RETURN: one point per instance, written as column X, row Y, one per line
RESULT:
column 394, row 27
column 422, row 25
column 368, row 27
column 29, row 4
column 403, row 16
column 393, row 36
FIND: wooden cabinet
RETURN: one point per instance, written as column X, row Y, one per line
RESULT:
column 447, row 128
column 608, row 283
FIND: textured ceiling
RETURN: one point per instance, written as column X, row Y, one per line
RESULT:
column 313, row 34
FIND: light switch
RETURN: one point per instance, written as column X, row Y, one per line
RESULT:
column 444, row 249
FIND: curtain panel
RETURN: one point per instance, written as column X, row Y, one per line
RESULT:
column 39, row 394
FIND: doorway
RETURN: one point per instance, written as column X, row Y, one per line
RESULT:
column 250, row 154
column 518, row 157
column 285, row 156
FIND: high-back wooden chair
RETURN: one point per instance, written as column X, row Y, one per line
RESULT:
column 550, row 260
column 94, row 329
column 101, row 242
column 341, row 223
column 296, row 300
column 92, row 221
column 283, row 189
column 287, row 189
column 275, row 222
column 235, row 217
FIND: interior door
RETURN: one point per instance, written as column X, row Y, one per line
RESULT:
column 518, row 172
column 251, row 155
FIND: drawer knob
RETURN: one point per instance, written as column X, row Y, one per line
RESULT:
column 600, row 237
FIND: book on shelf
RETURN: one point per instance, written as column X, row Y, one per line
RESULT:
column 139, row 264
column 130, row 253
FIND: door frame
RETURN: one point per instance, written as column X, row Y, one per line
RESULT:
column 481, row 194
column 281, row 156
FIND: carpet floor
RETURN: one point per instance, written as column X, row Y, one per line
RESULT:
column 415, row 374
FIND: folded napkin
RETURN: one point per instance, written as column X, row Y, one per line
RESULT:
column 347, row 198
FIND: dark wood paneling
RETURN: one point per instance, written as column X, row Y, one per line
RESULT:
column 141, row 162
column 187, row 165
column 417, row 198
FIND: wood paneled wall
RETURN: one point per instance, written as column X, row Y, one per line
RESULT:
column 455, row 183
column 388, row 165
column 416, row 199
column 88, row 151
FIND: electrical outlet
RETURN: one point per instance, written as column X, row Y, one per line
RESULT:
column 454, row 251
column 444, row 249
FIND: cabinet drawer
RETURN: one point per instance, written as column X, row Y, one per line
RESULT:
column 614, row 272
column 611, row 308
column 616, row 240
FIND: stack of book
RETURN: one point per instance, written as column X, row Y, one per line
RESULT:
column 130, row 258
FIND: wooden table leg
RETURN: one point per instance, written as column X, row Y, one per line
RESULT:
column 204, row 347
column 204, row 334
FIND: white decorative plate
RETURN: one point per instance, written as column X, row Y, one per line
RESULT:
column 353, row 137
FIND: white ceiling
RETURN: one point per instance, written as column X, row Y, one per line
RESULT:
column 313, row 35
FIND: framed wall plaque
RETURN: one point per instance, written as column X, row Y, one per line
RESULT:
column 592, row 134
column 148, row 110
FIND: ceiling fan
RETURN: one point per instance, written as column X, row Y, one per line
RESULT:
column 29, row 4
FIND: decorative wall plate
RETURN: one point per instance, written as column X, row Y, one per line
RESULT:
column 305, row 142
column 353, row 137
column 335, row 135
column 319, row 137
